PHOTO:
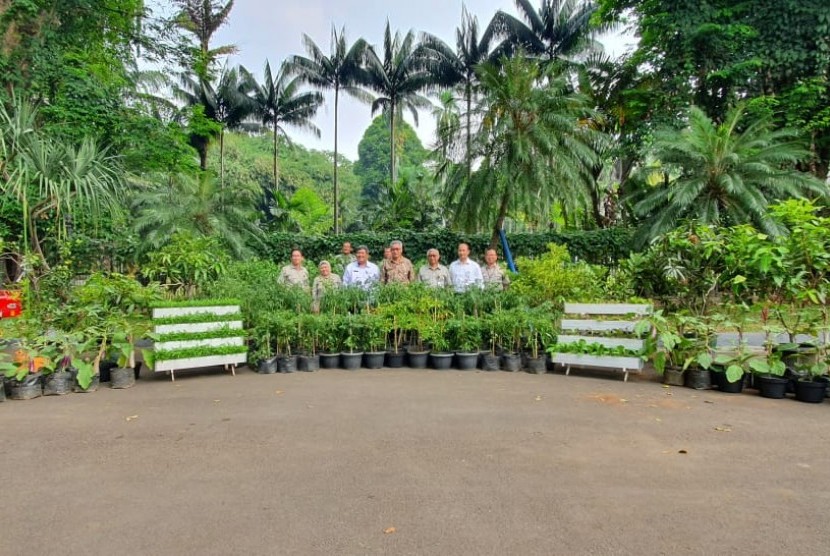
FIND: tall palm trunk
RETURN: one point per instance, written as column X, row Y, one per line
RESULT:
column 336, row 205
column 469, row 94
column 276, row 154
column 222, row 159
column 392, row 143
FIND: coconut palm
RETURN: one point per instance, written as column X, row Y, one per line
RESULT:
column 166, row 204
column 457, row 68
column 534, row 148
column 340, row 71
column 557, row 30
column 399, row 79
column 728, row 172
column 279, row 102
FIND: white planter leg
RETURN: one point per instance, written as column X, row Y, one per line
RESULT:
column 625, row 378
column 567, row 370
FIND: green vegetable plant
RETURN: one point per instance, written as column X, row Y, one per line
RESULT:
column 465, row 334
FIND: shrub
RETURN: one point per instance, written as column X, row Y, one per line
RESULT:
column 553, row 277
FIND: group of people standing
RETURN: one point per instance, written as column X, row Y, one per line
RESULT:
column 462, row 274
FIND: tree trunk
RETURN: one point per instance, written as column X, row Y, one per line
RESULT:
column 392, row 143
column 505, row 201
column 203, row 157
column 469, row 126
column 276, row 166
column 336, row 205
column 222, row 159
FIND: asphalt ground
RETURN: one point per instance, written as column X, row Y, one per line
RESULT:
column 412, row 462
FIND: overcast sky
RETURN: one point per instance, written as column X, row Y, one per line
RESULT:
column 268, row 29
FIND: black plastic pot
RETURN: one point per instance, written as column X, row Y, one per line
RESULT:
column 287, row 363
column 330, row 360
column 121, row 378
column 490, row 362
column 374, row 359
column 466, row 361
column 417, row 359
column 351, row 361
column 93, row 386
column 810, row 391
column 2, row 389
column 395, row 359
column 771, row 386
column 7, row 387
column 28, row 388
column 308, row 363
column 440, row 361
column 674, row 376
column 105, row 369
column 58, row 383
column 511, row 362
column 268, row 366
column 536, row 365
column 729, row 387
column 699, row 379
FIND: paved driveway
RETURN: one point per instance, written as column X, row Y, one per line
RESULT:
column 413, row 462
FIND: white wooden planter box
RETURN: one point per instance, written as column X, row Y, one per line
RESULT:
column 165, row 312
column 627, row 343
column 205, row 361
column 577, row 325
column 197, row 327
column 607, row 309
column 624, row 364
column 205, row 342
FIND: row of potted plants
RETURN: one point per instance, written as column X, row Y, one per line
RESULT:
column 287, row 341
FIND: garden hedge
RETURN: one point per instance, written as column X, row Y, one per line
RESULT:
column 605, row 246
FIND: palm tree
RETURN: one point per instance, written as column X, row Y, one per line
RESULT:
column 557, row 30
column 203, row 18
column 535, row 150
column 458, row 68
column 399, row 79
column 279, row 102
column 166, row 204
column 727, row 172
column 227, row 103
column 340, row 71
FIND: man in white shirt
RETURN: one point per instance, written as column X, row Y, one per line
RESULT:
column 361, row 273
column 465, row 273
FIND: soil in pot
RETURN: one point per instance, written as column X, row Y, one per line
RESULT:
column 511, row 362
column 268, row 366
column 287, row 363
column 810, row 391
column 440, row 361
column 490, row 362
column 771, row 386
column 58, row 383
column 93, row 386
column 699, row 379
column 674, row 376
column 395, row 359
column 121, row 378
column 28, row 388
column 466, row 361
column 351, row 361
column 329, row 360
column 374, row 359
column 417, row 359
column 536, row 365
column 308, row 363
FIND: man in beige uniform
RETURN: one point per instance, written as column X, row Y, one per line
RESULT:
column 398, row 269
column 295, row 273
column 494, row 276
column 434, row 274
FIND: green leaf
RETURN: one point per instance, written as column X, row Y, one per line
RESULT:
column 734, row 373
column 704, row 360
